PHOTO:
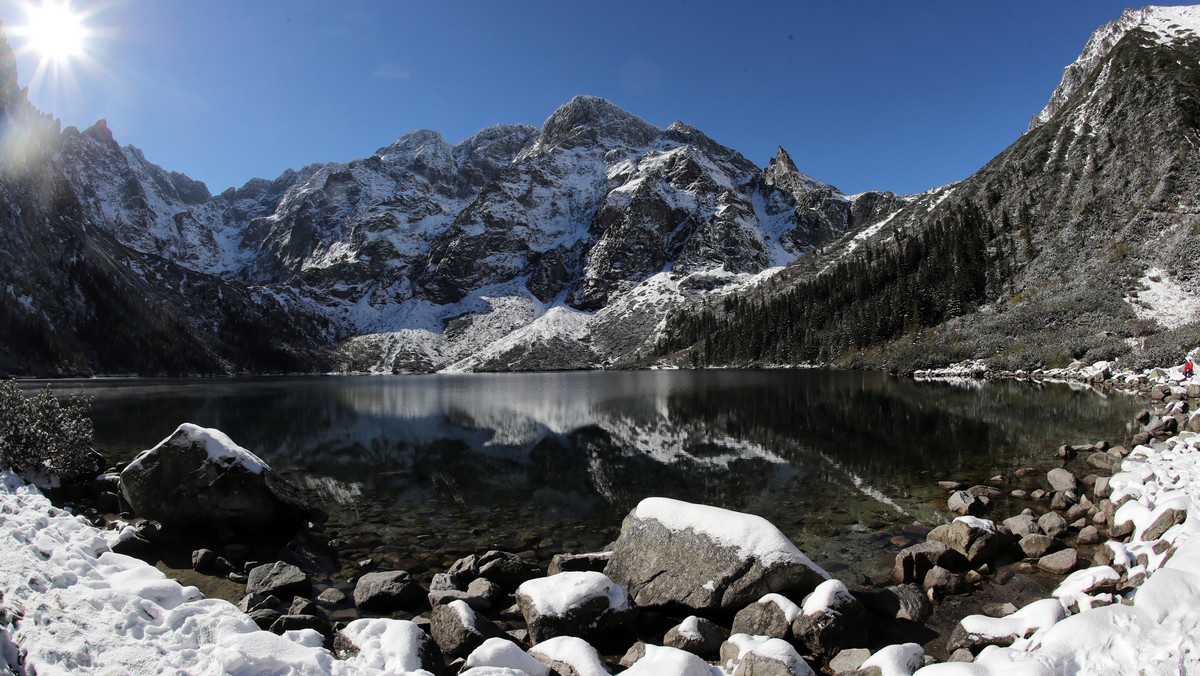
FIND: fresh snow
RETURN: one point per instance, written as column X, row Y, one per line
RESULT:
column 573, row 651
column 499, row 652
column 1164, row 300
column 663, row 660
column 754, row 537
column 826, row 595
column 221, row 449
column 556, row 595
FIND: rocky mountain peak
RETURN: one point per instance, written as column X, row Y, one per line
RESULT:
column 1163, row 23
column 419, row 143
column 782, row 173
column 592, row 120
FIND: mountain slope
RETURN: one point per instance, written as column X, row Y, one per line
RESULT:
column 1041, row 257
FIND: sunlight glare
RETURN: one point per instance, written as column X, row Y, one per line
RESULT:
column 55, row 32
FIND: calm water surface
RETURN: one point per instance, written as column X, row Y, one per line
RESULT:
column 418, row 470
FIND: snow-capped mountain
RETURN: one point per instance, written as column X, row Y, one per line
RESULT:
column 521, row 248
column 1080, row 241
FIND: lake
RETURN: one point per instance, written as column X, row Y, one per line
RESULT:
column 416, row 471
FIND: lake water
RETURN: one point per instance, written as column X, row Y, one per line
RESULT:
column 416, row 471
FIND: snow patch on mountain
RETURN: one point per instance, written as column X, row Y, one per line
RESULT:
column 1163, row 300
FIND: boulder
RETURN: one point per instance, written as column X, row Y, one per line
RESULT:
column 771, row 616
column 296, row 622
column 831, row 619
column 198, row 477
column 1023, row 524
column 574, row 603
column 696, row 635
column 503, row 568
column 1105, row 462
column 913, row 562
column 503, row 653
column 962, row 502
column 264, row 617
column 705, row 558
column 762, row 656
column 1088, row 535
column 1062, row 480
column 1036, row 546
column 848, row 661
column 977, row 540
column 1052, row 524
column 976, row 632
column 394, row 646
column 387, row 591
column 942, row 581
column 562, row 563
column 458, row 630
column 901, row 602
column 569, row 656
column 278, row 579
column 1059, row 563
column 1063, row 499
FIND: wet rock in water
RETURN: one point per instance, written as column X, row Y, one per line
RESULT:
column 1037, row 546
column 1088, row 535
column 752, row 655
column 950, row 486
column 900, row 602
column 1063, row 500
column 705, row 558
column 831, row 619
column 1025, row 471
column 569, row 656
column 574, row 603
column 1059, row 563
column 406, row 646
column 1066, row 452
column 198, row 477
column 767, row 617
column 332, row 596
column 1052, row 524
column 1023, row 524
column 1143, row 417
column 594, row 561
column 962, row 502
column 943, row 581
column 504, row 654
column 913, row 562
column 504, row 568
column 696, row 635
column 1104, row 462
column 458, row 630
column 279, row 579
column 977, row 540
column 387, row 591
column 1062, row 479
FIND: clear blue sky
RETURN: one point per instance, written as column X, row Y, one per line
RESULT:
column 888, row 95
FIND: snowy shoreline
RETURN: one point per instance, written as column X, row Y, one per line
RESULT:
column 72, row 606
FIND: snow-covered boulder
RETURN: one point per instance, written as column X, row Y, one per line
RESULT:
column 458, row 630
column 831, row 619
column 702, row 557
column 975, row 632
column 569, row 656
column 499, row 652
column 389, row 645
column 900, row 659
column 771, row 616
column 663, row 661
column 745, row 655
column 199, row 477
column 696, row 635
column 574, row 603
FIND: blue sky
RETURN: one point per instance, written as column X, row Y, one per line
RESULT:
column 888, row 95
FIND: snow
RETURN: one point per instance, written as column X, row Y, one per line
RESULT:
column 221, row 449
column 1164, row 300
column 753, row 536
column 576, row 652
column 556, row 595
column 499, row 652
column 771, row 648
column 790, row 610
column 660, row 660
column 896, row 660
column 385, row 644
column 826, row 595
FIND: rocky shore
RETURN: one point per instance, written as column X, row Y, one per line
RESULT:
column 685, row 589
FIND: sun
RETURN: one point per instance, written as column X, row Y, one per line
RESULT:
column 53, row 31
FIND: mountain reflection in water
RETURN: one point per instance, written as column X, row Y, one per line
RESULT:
column 543, row 452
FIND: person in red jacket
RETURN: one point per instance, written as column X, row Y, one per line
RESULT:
column 1187, row 368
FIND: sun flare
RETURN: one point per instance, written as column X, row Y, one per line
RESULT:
column 54, row 31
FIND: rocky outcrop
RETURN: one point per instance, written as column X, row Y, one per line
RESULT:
column 198, row 477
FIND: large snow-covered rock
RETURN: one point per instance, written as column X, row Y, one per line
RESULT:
column 389, row 645
column 199, row 477
column 706, row 558
column 573, row 603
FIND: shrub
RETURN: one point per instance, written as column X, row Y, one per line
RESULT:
column 42, row 439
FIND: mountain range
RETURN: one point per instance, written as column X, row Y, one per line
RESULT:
column 600, row 240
